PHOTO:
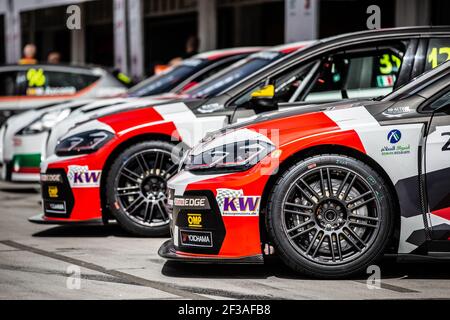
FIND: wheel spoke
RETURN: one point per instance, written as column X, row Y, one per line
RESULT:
column 127, row 188
column 338, row 193
column 311, row 190
column 354, row 235
column 299, row 226
column 298, row 212
column 312, row 242
column 296, row 205
column 322, row 184
column 375, row 219
column 349, row 187
column 338, row 245
column 302, row 232
column 330, row 241
column 362, row 204
column 305, row 194
column 142, row 163
column 362, row 196
column 349, row 240
column 360, row 224
column 318, row 246
column 131, row 193
column 135, row 205
column 330, row 183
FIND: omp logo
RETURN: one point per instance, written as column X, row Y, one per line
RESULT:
column 394, row 136
column 81, row 176
column 234, row 203
column 53, row 191
column 194, row 220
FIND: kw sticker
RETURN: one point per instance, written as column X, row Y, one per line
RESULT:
column 82, row 177
column 234, row 203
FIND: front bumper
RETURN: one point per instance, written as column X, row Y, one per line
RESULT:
column 216, row 218
column 70, row 190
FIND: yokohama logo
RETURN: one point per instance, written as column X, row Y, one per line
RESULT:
column 196, row 238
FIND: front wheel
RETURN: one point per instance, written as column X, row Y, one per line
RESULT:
column 330, row 216
column 136, row 187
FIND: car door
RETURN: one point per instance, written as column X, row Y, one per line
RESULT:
column 437, row 166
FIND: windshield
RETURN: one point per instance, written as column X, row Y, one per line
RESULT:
column 169, row 79
column 233, row 74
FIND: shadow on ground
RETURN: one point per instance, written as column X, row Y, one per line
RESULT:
column 93, row 231
column 390, row 269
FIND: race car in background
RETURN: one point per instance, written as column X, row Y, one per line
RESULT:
column 121, row 162
column 331, row 187
column 23, row 137
column 25, row 87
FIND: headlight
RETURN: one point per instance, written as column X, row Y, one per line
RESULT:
column 236, row 156
column 45, row 122
column 83, row 143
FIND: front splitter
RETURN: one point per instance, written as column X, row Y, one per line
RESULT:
column 167, row 251
column 41, row 219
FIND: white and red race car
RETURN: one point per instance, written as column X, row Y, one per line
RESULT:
column 121, row 161
column 332, row 187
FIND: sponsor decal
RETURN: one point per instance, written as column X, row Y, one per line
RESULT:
column 196, row 238
column 53, row 191
column 394, row 137
column 397, row 111
column 446, row 146
column 51, row 178
column 234, row 203
column 58, row 207
column 194, row 220
column 192, row 202
column 82, row 177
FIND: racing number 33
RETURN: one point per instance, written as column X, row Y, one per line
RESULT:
column 446, row 146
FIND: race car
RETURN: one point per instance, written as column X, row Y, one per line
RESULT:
column 331, row 187
column 122, row 161
column 23, row 137
column 25, row 87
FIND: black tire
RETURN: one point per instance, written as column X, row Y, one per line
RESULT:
column 134, row 220
column 316, row 248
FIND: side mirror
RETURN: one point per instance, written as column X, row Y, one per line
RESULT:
column 263, row 100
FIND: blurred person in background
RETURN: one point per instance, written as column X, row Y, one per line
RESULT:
column 54, row 57
column 192, row 45
column 29, row 54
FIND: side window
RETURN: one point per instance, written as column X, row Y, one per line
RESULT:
column 437, row 53
column 8, row 83
column 366, row 75
column 442, row 101
column 287, row 84
column 39, row 82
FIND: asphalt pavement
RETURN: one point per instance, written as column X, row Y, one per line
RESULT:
column 103, row 262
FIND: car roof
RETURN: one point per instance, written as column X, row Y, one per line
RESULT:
column 97, row 70
column 223, row 53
